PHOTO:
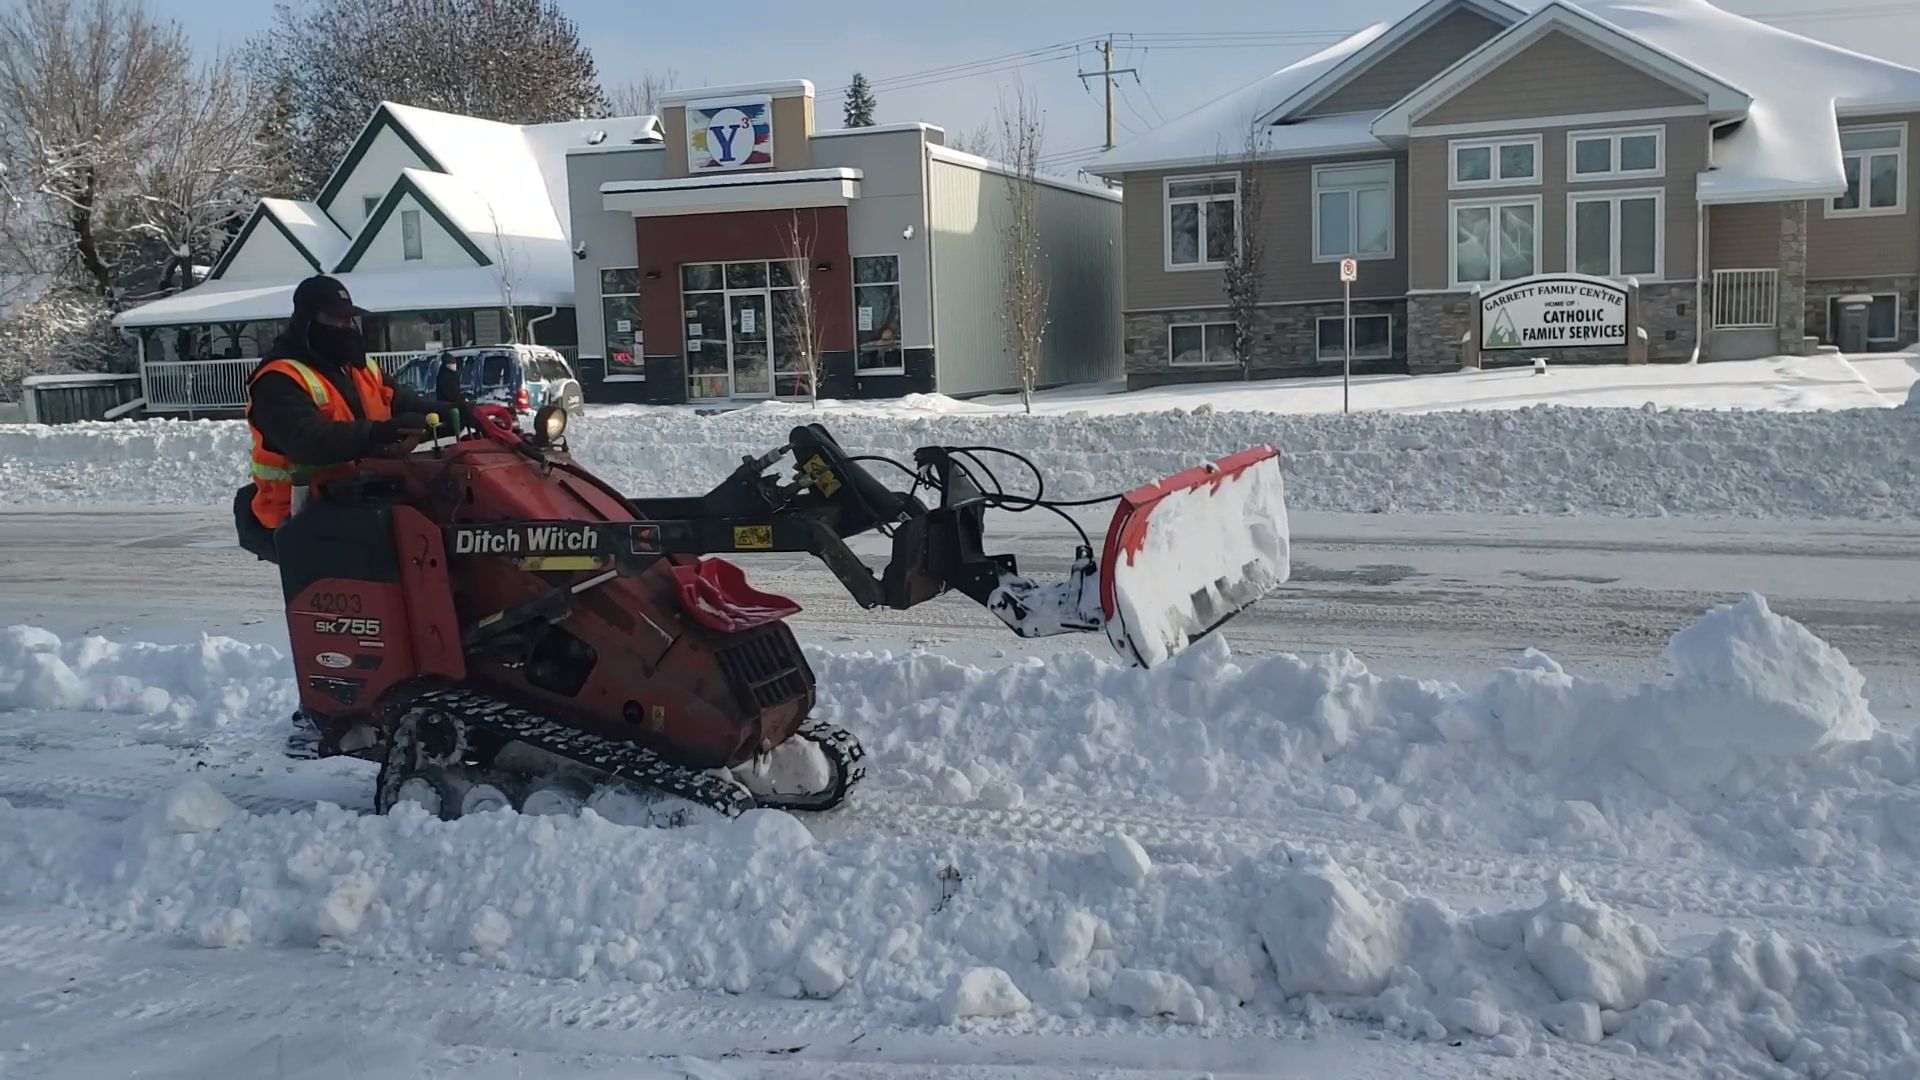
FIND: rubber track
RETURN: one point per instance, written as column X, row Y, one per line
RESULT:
column 617, row 761
column 845, row 754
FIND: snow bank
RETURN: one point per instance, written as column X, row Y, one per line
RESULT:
column 1759, row 741
column 1853, row 464
column 214, row 683
column 742, row 908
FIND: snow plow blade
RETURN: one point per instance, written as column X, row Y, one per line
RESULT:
column 1188, row 553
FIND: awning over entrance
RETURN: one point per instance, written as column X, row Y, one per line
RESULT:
column 732, row 192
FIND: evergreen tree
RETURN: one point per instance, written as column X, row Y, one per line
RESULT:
column 860, row 103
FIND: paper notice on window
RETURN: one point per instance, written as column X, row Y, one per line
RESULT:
column 866, row 318
column 695, row 329
column 746, row 320
column 624, row 326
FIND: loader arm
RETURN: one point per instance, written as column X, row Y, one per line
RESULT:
column 832, row 497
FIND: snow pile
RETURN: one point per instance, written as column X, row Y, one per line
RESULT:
column 1533, row 756
column 1861, row 463
column 214, row 683
column 1199, row 555
column 757, row 906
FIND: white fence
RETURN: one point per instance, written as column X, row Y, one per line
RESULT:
column 193, row 386
column 1745, row 299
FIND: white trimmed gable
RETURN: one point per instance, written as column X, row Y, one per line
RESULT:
column 439, row 249
column 267, row 255
column 372, row 177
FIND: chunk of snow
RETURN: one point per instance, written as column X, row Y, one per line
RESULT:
column 1156, row 993
column 821, row 972
column 193, row 807
column 345, row 906
column 490, row 930
column 1128, row 859
column 1069, row 939
column 952, row 786
column 1578, row 1021
column 1325, row 936
column 982, row 991
column 1589, row 951
column 229, row 928
column 1001, row 796
column 775, row 832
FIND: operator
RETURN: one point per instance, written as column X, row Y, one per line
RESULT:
column 316, row 401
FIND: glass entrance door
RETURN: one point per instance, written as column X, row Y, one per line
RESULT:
column 747, row 328
column 731, row 340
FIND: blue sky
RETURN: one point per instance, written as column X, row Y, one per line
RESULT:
column 1187, row 52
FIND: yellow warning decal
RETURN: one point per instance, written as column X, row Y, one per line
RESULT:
column 753, row 538
column 559, row 563
column 656, row 718
column 823, row 477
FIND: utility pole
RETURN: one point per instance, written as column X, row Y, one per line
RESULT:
column 1105, row 75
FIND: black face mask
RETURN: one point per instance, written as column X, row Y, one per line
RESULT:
column 339, row 345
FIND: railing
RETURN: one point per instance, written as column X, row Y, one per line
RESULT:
column 1745, row 299
column 191, row 386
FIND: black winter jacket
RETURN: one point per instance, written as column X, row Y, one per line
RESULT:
column 291, row 424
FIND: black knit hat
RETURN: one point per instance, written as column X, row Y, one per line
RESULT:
column 321, row 294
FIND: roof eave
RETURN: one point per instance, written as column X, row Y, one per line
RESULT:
column 1292, row 154
column 1363, row 58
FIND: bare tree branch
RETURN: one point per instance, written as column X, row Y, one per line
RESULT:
column 641, row 96
column 1022, row 128
column 199, row 178
column 1245, row 267
column 801, row 329
column 979, row 141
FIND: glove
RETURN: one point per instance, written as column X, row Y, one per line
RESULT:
column 382, row 432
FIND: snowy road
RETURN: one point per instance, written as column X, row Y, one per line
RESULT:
column 1450, row 597
column 1418, row 594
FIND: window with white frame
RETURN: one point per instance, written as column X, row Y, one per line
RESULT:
column 1494, row 162
column 1353, row 211
column 1616, row 233
column 1194, row 344
column 410, row 234
column 1372, row 337
column 1616, row 155
column 1494, row 240
column 1883, row 319
column 1201, row 212
column 876, row 304
column 1875, row 159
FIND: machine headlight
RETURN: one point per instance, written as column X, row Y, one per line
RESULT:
column 550, row 423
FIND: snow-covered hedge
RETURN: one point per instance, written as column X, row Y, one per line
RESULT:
column 1640, row 462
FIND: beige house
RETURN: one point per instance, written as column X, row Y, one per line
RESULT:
column 1744, row 179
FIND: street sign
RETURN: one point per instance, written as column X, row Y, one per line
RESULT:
column 1349, row 270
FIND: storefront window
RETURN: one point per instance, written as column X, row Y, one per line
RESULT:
column 876, row 310
column 620, row 312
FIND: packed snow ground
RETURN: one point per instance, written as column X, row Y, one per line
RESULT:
column 1854, row 464
column 1709, row 873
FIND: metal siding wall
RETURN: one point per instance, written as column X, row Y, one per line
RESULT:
column 890, row 203
column 608, row 234
column 1080, row 237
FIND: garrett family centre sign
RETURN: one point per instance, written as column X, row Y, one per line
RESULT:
column 1553, row 311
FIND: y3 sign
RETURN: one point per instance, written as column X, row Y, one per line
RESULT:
column 732, row 134
column 1553, row 311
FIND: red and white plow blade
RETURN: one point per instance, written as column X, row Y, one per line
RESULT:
column 1186, row 554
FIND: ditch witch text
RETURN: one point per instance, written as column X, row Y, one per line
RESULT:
column 526, row 540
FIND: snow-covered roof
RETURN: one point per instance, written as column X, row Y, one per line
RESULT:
column 1789, row 146
column 376, row 290
column 310, row 227
column 1218, row 127
column 1784, row 90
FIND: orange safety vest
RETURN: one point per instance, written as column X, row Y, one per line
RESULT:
column 273, row 474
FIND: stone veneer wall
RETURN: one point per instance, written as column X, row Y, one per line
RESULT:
column 1285, row 340
column 1820, row 292
column 1437, row 322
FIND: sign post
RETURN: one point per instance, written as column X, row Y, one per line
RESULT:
column 1349, row 272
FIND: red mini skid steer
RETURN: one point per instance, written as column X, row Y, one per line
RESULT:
column 498, row 627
